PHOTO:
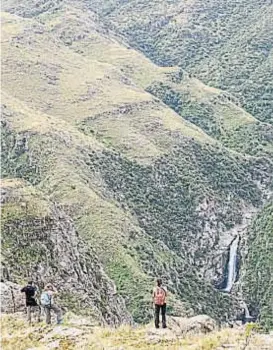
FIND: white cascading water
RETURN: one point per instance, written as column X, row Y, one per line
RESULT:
column 247, row 315
column 232, row 264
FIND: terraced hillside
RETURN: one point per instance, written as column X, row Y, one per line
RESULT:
column 155, row 169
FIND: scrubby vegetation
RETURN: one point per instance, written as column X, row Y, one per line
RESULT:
column 218, row 115
column 257, row 281
column 154, row 168
column 226, row 45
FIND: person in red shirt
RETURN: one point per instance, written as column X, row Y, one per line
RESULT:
column 159, row 301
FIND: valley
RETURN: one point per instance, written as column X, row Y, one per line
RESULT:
column 137, row 142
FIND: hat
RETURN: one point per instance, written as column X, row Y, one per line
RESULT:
column 49, row 286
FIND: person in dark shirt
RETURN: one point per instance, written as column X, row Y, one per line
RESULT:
column 31, row 303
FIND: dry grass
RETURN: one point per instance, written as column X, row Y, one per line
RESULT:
column 16, row 334
column 51, row 83
column 95, row 45
column 58, row 86
column 23, row 199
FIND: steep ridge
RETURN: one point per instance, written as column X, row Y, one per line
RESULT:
column 217, row 112
column 40, row 240
column 150, row 192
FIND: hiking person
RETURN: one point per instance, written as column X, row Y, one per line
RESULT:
column 159, row 301
column 31, row 303
column 47, row 302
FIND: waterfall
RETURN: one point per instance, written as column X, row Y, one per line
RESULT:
column 232, row 271
column 247, row 314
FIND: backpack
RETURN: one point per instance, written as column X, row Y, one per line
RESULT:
column 160, row 296
column 45, row 299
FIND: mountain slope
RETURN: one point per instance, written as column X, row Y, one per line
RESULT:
column 213, row 110
column 39, row 240
column 66, row 168
column 148, row 191
column 217, row 112
column 226, row 45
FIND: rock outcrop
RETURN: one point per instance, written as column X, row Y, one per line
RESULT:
column 197, row 324
column 12, row 299
column 48, row 249
column 179, row 327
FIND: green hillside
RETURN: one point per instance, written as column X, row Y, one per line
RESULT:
column 227, row 45
column 216, row 113
column 155, row 169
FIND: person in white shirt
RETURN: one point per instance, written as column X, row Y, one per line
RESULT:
column 47, row 301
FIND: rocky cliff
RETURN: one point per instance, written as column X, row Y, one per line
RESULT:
column 40, row 242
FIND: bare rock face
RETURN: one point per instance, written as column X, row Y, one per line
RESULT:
column 49, row 249
column 12, row 299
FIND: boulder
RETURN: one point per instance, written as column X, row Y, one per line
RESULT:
column 179, row 327
column 192, row 325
